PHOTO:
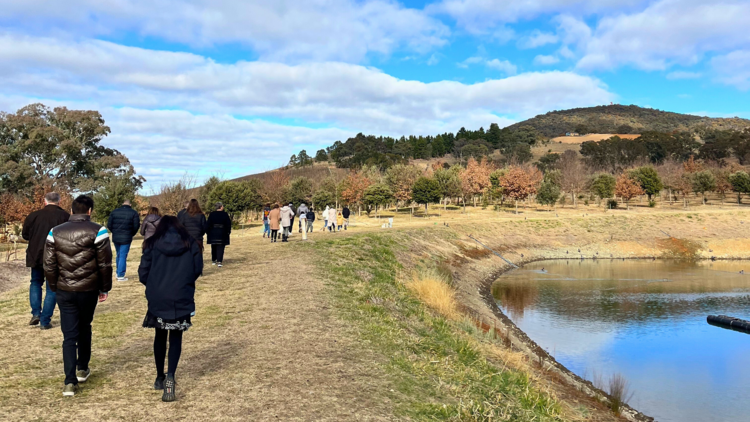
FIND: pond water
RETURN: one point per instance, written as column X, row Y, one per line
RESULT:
column 647, row 321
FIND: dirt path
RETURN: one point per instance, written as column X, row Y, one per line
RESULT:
column 265, row 345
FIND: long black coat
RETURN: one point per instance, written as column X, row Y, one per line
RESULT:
column 194, row 224
column 36, row 227
column 124, row 223
column 169, row 270
column 218, row 228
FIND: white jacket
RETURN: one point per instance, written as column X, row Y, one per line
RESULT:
column 325, row 213
column 286, row 216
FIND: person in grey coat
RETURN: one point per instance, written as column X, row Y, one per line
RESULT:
column 302, row 209
column 148, row 227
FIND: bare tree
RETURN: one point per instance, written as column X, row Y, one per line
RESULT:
column 574, row 174
column 172, row 196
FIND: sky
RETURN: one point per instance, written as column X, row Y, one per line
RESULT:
column 229, row 88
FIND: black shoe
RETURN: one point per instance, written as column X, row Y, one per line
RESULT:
column 46, row 327
column 159, row 383
column 34, row 320
column 169, row 389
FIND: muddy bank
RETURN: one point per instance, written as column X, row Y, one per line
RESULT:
column 474, row 268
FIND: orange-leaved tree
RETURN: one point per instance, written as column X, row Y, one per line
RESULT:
column 627, row 188
column 475, row 179
column 519, row 183
column 354, row 189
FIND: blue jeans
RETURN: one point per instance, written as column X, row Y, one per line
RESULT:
column 44, row 312
column 266, row 228
column 122, row 250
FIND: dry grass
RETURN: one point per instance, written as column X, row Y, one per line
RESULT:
column 433, row 290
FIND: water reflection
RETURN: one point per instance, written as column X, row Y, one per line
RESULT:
column 646, row 320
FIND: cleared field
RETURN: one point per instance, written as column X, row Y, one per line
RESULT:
column 589, row 137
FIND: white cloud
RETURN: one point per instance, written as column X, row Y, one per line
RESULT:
column 542, row 60
column 680, row 74
column 433, row 60
column 502, row 65
column 666, row 33
column 288, row 30
column 133, row 87
column 477, row 16
column 538, row 39
column 733, row 69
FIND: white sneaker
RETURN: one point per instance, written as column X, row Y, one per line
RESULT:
column 122, row 279
column 219, row 265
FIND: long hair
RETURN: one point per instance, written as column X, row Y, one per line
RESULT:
column 194, row 208
column 168, row 222
column 154, row 211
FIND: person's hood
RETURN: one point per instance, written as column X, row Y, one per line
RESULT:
column 171, row 244
column 152, row 218
column 286, row 207
column 326, row 207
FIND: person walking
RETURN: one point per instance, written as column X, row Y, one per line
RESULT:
column 339, row 220
column 36, row 226
column 171, row 263
column 266, row 221
column 78, row 266
column 148, row 227
column 302, row 209
column 291, row 219
column 184, row 209
column 286, row 222
column 274, row 219
column 218, row 229
column 194, row 221
column 332, row 219
column 124, row 223
column 310, row 219
column 346, row 213
column 325, row 218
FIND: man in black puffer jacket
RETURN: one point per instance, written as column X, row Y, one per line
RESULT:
column 124, row 223
column 78, row 267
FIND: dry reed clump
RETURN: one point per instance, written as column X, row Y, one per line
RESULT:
column 433, row 290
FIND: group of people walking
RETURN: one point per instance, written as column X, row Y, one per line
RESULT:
column 276, row 217
column 74, row 255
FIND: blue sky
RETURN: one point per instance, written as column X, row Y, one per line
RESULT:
column 235, row 87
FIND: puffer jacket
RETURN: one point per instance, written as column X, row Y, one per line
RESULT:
column 345, row 212
column 218, row 228
column 169, row 270
column 310, row 216
column 124, row 224
column 286, row 216
column 78, row 257
column 149, row 225
column 194, row 224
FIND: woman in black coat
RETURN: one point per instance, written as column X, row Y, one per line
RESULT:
column 171, row 263
column 218, row 229
column 194, row 221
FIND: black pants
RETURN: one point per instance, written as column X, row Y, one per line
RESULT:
column 76, row 313
column 274, row 235
column 217, row 253
column 160, row 350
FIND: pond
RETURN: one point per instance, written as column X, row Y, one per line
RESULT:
column 645, row 320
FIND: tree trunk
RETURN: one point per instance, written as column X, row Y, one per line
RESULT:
column 516, row 206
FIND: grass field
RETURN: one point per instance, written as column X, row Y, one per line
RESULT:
column 334, row 328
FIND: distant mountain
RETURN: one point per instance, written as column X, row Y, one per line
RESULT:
column 624, row 119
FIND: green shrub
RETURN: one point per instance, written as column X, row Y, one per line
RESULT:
column 611, row 204
column 651, row 203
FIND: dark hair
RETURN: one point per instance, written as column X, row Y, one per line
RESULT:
column 194, row 208
column 218, row 206
column 165, row 224
column 82, row 205
column 275, row 206
column 153, row 210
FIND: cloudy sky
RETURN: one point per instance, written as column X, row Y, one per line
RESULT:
column 235, row 87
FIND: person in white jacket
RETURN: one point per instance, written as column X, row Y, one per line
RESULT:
column 325, row 218
column 286, row 222
column 332, row 219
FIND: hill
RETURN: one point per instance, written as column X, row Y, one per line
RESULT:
column 623, row 119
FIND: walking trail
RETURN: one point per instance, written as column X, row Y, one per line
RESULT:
column 265, row 345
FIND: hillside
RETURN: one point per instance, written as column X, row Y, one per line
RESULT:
column 623, row 119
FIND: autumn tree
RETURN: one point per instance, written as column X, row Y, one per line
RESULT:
column 475, row 179
column 274, row 186
column 627, row 188
column 519, row 183
column 722, row 182
column 354, row 187
column 172, row 195
column 400, row 179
